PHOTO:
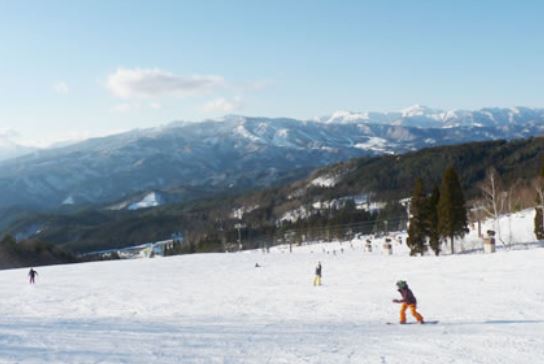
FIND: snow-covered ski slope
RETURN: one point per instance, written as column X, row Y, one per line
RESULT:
column 219, row 308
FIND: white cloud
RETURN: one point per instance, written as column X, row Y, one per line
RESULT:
column 222, row 105
column 259, row 85
column 136, row 106
column 9, row 133
column 8, row 137
column 124, row 107
column 132, row 83
column 61, row 87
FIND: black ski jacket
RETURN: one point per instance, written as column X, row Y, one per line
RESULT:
column 407, row 296
column 318, row 270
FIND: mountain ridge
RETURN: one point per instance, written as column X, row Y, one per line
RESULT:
column 238, row 152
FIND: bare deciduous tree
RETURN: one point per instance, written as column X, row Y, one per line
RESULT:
column 512, row 199
column 494, row 198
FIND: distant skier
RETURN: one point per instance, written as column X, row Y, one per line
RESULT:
column 32, row 274
column 317, row 279
column 408, row 301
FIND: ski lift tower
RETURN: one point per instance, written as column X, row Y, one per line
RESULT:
column 239, row 226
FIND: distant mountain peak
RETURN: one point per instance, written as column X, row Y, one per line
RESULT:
column 417, row 110
column 346, row 116
column 426, row 117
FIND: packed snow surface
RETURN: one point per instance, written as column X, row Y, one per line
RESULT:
column 68, row 201
column 220, row 308
column 374, row 143
column 152, row 199
column 325, row 181
column 241, row 211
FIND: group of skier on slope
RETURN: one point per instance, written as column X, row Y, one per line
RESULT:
column 408, row 300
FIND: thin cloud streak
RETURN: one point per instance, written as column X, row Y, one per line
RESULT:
column 222, row 105
column 127, row 83
column 61, row 88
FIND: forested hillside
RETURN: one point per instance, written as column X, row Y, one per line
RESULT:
column 362, row 194
column 31, row 253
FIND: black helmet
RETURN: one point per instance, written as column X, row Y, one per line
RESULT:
column 402, row 284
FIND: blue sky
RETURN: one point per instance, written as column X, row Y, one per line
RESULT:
column 79, row 68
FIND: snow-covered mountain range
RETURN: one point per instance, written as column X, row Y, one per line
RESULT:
column 425, row 117
column 239, row 152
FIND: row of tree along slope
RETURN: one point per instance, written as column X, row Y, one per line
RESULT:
column 304, row 209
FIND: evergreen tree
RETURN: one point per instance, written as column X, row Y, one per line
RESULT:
column 539, row 209
column 452, row 213
column 417, row 229
column 432, row 220
column 8, row 240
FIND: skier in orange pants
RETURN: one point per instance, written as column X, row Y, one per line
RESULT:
column 408, row 301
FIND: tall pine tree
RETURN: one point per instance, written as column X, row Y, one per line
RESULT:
column 432, row 220
column 539, row 215
column 416, row 240
column 452, row 213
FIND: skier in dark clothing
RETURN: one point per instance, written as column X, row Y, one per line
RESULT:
column 317, row 279
column 32, row 274
column 408, row 301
